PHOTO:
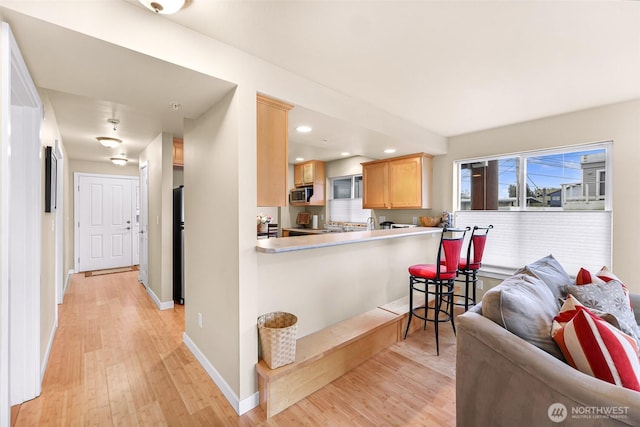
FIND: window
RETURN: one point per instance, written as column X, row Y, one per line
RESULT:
column 552, row 201
column 345, row 204
column 572, row 179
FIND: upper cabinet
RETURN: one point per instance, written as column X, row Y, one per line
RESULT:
column 398, row 183
column 272, row 151
column 178, row 152
column 308, row 173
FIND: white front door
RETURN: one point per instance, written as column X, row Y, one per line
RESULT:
column 104, row 222
column 143, row 276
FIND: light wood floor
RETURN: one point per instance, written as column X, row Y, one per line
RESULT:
column 117, row 360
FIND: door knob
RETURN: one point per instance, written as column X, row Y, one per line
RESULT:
column 128, row 228
column 128, row 222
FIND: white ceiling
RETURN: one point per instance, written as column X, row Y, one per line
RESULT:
column 449, row 66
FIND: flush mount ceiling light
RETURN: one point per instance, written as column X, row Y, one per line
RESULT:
column 108, row 141
column 165, row 7
column 120, row 161
column 345, row 153
column 390, row 150
column 299, row 159
column 304, row 129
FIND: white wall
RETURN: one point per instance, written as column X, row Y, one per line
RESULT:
column 619, row 123
column 158, row 155
column 212, row 217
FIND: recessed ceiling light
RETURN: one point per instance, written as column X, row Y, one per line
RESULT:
column 108, row 141
column 304, row 129
column 299, row 159
column 390, row 150
column 345, row 153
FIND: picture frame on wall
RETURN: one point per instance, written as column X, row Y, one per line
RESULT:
column 50, row 178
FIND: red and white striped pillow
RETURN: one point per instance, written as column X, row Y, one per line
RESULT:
column 595, row 347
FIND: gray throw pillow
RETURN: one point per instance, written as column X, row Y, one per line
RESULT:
column 524, row 305
column 608, row 297
column 549, row 270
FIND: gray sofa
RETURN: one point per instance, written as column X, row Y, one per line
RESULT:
column 503, row 380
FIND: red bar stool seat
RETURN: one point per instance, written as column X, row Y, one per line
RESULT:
column 437, row 280
column 475, row 251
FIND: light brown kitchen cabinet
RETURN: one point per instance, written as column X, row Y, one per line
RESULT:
column 178, row 152
column 272, row 151
column 308, row 173
column 398, row 183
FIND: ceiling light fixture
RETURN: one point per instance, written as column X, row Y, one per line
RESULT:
column 299, row 159
column 390, row 150
column 345, row 153
column 108, row 141
column 165, row 7
column 115, row 123
column 120, row 161
column 304, row 129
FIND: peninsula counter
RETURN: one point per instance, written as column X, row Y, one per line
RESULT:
column 324, row 279
column 325, row 239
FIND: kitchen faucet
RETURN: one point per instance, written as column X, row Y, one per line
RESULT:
column 371, row 223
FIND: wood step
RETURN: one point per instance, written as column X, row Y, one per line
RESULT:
column 326, row 355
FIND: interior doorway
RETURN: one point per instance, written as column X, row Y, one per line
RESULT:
column 21, row 164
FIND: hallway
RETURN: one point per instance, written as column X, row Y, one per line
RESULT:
column 118, row 360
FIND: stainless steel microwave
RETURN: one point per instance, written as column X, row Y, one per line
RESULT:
column 301, row 195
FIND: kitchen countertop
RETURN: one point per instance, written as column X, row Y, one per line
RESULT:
column 323, row 239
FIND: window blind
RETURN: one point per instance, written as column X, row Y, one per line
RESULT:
column 575, row 238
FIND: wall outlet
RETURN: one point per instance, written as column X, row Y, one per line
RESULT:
column 200, row 320
column 415, row 220
column 382, row 218
column 479, row 285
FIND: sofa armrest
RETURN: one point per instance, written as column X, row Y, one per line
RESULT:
column 635, row 303
column 503, row 380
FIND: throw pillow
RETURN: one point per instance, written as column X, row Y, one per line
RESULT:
column 608, row 298
column 607, row 275
column 549, row 270
column 584, row 277
column 596, row 348
column 524, row 305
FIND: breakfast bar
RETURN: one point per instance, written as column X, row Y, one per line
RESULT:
column 323, row 239
column 327, row 278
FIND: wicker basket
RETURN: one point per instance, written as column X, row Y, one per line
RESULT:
column 277, row 332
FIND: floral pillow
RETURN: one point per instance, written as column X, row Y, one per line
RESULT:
column 608, row 297
column 607, row 275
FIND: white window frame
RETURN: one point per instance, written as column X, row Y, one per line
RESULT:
column 522, row 171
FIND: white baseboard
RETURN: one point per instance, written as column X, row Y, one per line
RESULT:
column 240, row 406
column 45, row 362
column 166, row 305
column 67, row 280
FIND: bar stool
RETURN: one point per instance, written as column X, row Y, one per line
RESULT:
column 437, row 280
column 470, row 265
